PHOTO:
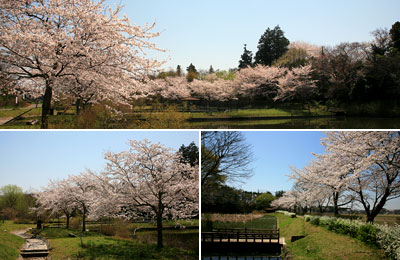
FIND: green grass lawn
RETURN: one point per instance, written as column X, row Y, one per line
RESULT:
column 17, row 111
column 178, row 245
column 262, row 112
column 100, row 247
column 9, row 245
column 323, row 244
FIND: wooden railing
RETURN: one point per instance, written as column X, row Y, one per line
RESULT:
column 236, row 235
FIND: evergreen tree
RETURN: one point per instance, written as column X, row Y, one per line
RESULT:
column 395, row 35
column 191, row 68
column 190, row 154
column 271, row 46
column 192, row 73
column 211, row 70
column 178, row 71
column 246, row 58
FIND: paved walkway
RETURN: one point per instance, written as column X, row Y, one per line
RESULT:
column 4, row 120
column 31, row 245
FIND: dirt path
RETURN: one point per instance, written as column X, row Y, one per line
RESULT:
column 4, row 120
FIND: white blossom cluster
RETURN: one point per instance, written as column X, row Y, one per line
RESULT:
column 287, row 213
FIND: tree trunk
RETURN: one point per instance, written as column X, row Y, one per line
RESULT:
column 335, row 204
column 78, row 106
column 46, row 105
column 39, row 224
column 68, row 217
column 84, row 220
column 159, row 224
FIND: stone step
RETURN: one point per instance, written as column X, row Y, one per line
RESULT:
column 34, row 254
column 34, row 248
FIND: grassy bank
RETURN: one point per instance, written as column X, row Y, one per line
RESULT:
column 10, row 243
column 320, row 243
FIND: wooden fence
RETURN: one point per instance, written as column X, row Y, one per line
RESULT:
column 241, row 235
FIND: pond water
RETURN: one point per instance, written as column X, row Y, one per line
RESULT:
column 341, row 122
column 241, row 258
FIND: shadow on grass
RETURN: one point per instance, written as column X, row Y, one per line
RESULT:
column 126, row 250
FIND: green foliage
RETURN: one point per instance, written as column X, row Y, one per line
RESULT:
column 395, row 35
column 192, row 73
column 190, row 153
column 246, row 58
column 211, row 70
column 14, row 203
column 293, row 58
column 165, row 74
column 178, row 70
column 271, row 46
column 368, row 234
column 226, row 75
column 10, row 195
column 389, row 239
column 263, row 201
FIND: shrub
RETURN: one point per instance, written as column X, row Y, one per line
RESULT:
column 388, row 238
column 368, row 233
column 315, row 220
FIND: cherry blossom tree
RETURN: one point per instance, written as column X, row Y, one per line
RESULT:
column 296, row 84
column 55, row 198
column 53, row 39
column 80, row 191
column 150, row 179
column 322, row 181
column 258, row 81
column 373, row 166
column 172, row 88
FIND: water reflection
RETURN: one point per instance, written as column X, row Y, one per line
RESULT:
column 306, row 123
column 241, row 258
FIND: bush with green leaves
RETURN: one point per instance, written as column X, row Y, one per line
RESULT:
column 388, row 238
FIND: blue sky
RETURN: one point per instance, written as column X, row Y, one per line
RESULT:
column 213, row 32
column 30, row 158
column 275, row 151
